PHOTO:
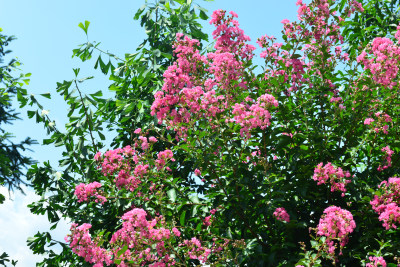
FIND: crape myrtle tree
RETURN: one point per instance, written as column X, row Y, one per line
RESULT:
column 13, row 162
column 296, row 165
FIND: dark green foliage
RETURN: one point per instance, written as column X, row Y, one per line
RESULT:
column 12, row 160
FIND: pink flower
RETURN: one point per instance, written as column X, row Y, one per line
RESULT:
column 207, row 221
column 162, row 158
column 376, row 261
column 152, row 139
column 197, row 172
column 388, row 157
column 368, row 121
column 97, row 156
column 115, row 163
column 196, row 250
column 281, row 215
column 137, row 131
column 145, row 144
column 233, row 14
column 176, row 232
column 82, row 244
column 299, row 3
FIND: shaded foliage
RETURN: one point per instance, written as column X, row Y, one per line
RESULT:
column 12, row 158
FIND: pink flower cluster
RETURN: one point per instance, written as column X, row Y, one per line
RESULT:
column 255, row 115
column 84, row 191
column 319, row 33
column 336, row 224
column 147, row 241
column 198, row 88
column 386, row 204
column 368, row 121
column 330, row 174
column 294, row 69
column 196, row 250
column 281, row 215
column 118, row 163
column 163, row 157
column 128, row 166
column 388, row 158
column 382, row 59
column 82, row 245
column 229, row 37
column 382, row 119
column 376, row 262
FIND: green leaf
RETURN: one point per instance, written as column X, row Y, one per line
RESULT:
column 203, row 15
column 31, row 114
column 84, row 27
column 199, row 226
column 76, row 71
column 46, row 95
column 182, row 219
column 157, row 53
column 139, row 12
column 102, row 137
column 84, row 79
column 172, row 195
column 167, row 6
column 122, row 251
column 194, row 199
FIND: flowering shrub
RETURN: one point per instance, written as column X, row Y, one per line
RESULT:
column 238, row 144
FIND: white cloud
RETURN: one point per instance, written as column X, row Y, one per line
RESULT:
column 17, row 223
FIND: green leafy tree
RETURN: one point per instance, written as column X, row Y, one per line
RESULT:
column 136, row 77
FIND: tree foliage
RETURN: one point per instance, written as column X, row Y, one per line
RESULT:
column 12, row 160
column 135, row 77
column 379, row 18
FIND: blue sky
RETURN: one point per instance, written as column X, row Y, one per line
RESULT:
column 47, row 32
